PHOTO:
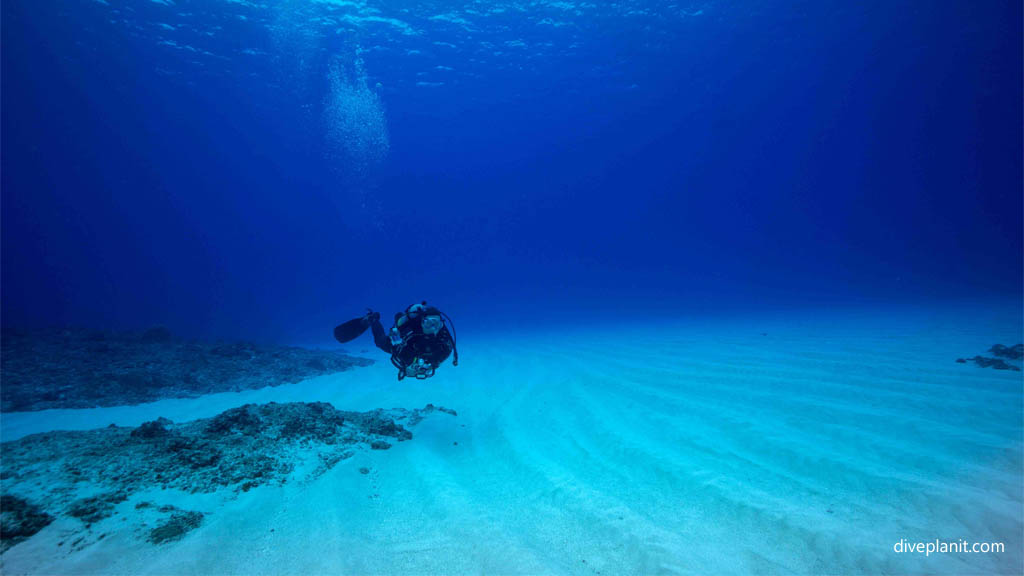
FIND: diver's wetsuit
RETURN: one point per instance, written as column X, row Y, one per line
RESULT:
column 380, row 336
column 421, row 339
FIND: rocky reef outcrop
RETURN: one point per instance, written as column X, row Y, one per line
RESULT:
column 84, row 369
column 1012, row 352
column 176, row 526
column 90, row 475
column 19, row 520
column 1003, row 353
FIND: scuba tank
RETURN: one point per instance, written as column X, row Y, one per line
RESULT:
column 421, row 340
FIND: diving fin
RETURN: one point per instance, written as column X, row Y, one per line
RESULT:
column 351, row 330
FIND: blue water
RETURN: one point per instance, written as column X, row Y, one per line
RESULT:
column 711, row 263
column 194, row 164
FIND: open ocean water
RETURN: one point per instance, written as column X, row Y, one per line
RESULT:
column 738, row 287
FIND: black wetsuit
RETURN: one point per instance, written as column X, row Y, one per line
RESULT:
column 420, row 340
column 417, row 344
column 380, row 337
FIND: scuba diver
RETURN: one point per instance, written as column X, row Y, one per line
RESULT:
column 419, row 341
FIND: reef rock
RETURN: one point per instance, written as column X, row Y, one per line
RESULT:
column 88, row 474
column 1011, row 352
column 984, row 362
column 1007, row 352
column 96, row 508
column 19, row 520
column 82, row 369
column 175, row 527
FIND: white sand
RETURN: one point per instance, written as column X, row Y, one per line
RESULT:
column 691, row 447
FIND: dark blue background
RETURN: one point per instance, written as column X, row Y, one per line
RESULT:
column 756, row 156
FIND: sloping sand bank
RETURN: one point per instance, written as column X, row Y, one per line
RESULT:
column 772, row 446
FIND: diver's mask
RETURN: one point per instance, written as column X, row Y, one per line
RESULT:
column 432, row 325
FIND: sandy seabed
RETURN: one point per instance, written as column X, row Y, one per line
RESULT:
column 778, row 444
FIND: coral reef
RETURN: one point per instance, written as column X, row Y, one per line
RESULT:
column 1011, row 352
column 19, row 520
column 88, row 474
column 83, row 369
column 995, row 363
column 175, row 528
column 96, row 508
column 1008, row 352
